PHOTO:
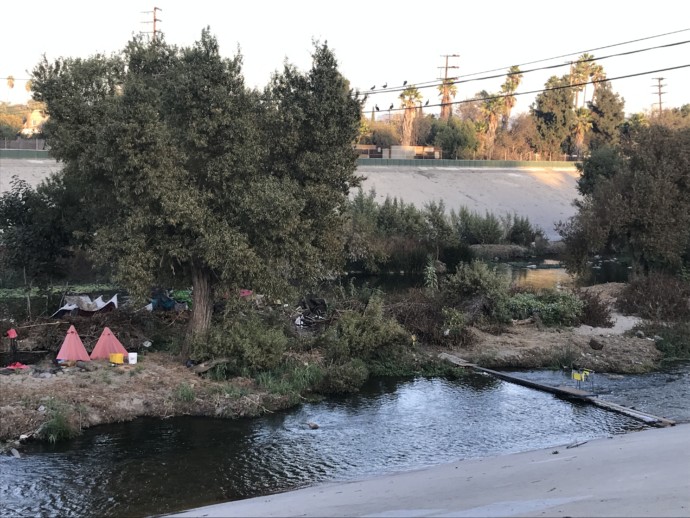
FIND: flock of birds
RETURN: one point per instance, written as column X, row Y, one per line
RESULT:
column 385, row 85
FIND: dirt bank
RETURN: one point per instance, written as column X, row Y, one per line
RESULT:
column 158, row 385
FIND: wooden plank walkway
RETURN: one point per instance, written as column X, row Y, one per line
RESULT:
column 563, row 391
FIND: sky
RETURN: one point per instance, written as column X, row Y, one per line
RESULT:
column 376, row 43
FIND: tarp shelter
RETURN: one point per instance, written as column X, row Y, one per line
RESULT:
column 107, row 344
column 72, row 348
column 83, row 306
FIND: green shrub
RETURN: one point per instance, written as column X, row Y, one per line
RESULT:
column 185, row 393
column 61, row 424
column 368, row 334
column 478, row 289
column 595, row 311
column 553, row 308
column 344, row 378
column 675, row 338
column 248, row 342
column 474, row 229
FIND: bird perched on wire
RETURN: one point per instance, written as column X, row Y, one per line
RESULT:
column 404, row 83
column 373, row 87
column 376, row 107
column 426, row 103
column 391, row 106
column 385, row 85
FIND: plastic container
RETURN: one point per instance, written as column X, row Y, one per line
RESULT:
column 117, row 358
column 131, row 358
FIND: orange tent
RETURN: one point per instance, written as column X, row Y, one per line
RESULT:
column 107, row 344
column 72, row 348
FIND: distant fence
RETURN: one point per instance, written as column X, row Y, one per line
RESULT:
column 465, row 163
column 25, row 153
column 35, row 144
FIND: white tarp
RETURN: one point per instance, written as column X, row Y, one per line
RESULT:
column 83, row 303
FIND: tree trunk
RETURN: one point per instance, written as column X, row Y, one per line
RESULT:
column 202, row 303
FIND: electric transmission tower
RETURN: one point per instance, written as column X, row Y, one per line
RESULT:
column 155, row 20
column 659, row 86
column 446, row 87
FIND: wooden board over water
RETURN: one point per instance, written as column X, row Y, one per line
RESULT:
column 563, row 391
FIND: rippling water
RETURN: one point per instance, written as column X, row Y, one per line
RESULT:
column 156, row 466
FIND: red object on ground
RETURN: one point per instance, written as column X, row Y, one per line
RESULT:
column 17, row 365
column 72, row 348
column 245, row 293
column 107, row 344
column 11, row 333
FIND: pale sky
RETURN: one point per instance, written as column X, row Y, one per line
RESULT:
column 375, row 42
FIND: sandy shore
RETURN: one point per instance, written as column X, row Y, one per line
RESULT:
column 638, row 474
column 544, row 195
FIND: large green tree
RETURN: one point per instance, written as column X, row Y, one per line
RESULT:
column 607, row 116
column 641, row 206
column 457, row 138
column 198, row 179
column 553, row 115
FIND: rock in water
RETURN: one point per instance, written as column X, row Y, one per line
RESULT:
column 15, row 453
column 313, row 426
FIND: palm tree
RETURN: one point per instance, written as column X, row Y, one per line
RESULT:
column 586, row 69
column 596, row 73
column 580, row 74
column 410, row 98
column 491, row 110
column 447, row 91
column 508, row 88
column 581, row 125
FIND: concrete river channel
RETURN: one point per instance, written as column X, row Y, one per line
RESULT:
column 150, row 466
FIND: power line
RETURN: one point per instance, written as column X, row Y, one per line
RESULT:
column 548, row 67
column 567, row 55
column 531, row 92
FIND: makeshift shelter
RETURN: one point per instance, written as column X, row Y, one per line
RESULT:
column 83, row 306
column 72, row 348
column 107, row 344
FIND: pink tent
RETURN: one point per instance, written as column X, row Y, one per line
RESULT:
column 72, row 348
column 107, row 344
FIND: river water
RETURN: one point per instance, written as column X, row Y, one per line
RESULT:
column 152, row 466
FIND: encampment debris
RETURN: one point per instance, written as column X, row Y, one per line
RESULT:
column 82, row 305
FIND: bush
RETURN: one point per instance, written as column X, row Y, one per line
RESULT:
column 675, row 338
column 552, row 307
column 185, row 393
column 478, row 289
column 248, row 342
column 61, row 425
column 595, row 311
column 657, row 297
column 475, row 229
column 367, row 335
column 344, row 378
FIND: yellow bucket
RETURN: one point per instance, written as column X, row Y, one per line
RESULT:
column 116, row 358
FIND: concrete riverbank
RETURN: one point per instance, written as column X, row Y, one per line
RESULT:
column 638, row 474
column 543, row 194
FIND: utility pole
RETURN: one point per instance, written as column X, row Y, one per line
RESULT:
column 446, row 107
column 659, row 92
column 154, row 21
